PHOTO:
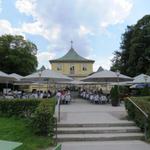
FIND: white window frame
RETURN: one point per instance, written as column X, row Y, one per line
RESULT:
column 59, row 67
column 84, row 67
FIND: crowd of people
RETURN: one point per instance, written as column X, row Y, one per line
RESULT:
column 41, row 94
column 63, row 96
column 26, row 95
column 95, row 96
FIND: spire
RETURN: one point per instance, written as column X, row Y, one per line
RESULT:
column 72, row 56
column 71, row 43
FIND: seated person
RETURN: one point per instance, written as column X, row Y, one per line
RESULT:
column 103, row 99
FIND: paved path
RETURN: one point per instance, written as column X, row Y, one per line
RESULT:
column 119, row 145
column 81, row 111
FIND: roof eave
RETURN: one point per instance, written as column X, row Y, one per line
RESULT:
column 67, row 61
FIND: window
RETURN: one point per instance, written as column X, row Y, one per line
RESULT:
column 84, row 67
column 72, row 69
column 59, row 67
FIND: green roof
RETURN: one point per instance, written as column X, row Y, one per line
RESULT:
column 72, row 55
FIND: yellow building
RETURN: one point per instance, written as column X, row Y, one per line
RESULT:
column 73, row 65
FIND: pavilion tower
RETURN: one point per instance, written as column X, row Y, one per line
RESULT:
column 73, row 65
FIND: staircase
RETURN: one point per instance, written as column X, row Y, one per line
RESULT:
column 99, row 132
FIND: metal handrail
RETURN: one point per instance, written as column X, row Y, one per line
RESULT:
column 55, row 131
column 143, row 112
column 145, row 115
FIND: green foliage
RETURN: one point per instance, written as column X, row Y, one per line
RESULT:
column 123, row 91
column 38, row 112
column 43, row 120
column 17, row 55
column 136, row 115
column 141, row 92
column 16, row 129
column 18, row 107
column 114, row 96
column 145, row 91
column 134, row 57
column 130, row 109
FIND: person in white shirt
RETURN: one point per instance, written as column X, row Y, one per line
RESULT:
column 41, row 94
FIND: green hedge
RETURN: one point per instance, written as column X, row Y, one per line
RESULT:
column 43, row 120
column 39, row 112
column 135, row 114
column 18, row 107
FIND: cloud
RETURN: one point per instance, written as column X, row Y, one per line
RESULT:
column 61, row 21
column 104, row 62
column 83, row 31
column 44, row 57
column 26, row 6
column 117, row 13
column 6, row 28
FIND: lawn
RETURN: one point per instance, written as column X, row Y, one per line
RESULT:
column 141, row 98
column 14, row 129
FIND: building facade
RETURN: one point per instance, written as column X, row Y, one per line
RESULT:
column 73, row 65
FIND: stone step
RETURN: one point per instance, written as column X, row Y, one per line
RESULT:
column 101, row 130
column 100, row 137
column 122, row 124
column 106, row 145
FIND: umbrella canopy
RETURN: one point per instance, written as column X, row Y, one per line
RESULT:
column 16, row 76
column 107, row 76
column 46, row 75
column 125, row 83
column 142, row 78
column 5, row 78
column 70, row 82
column 139, row 86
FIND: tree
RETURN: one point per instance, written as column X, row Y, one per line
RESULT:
column 134, row 56
column 17, row 55
column 114, row 94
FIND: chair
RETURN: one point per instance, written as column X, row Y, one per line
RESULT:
column 84, row 94
column 96, row 99
column 87, row 96
column 103, row 99
column 67, row 98
column 91, row 98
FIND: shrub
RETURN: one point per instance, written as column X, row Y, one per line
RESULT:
column 39, row 113
column 114, row 96
column 136, row 115
column 123, row 92
column 145, row 91
column 18, row 107
column 43, row 121
column 130, row 109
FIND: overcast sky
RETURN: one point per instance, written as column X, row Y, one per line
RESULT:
column 95, row 26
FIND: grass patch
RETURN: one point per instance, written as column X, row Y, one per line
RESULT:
column 15, row 129
column 141, row 98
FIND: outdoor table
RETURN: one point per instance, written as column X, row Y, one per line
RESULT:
column 7, row 145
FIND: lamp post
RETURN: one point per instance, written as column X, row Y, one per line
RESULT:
column 145, row 78
column 118, row 73
column 40, row 74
